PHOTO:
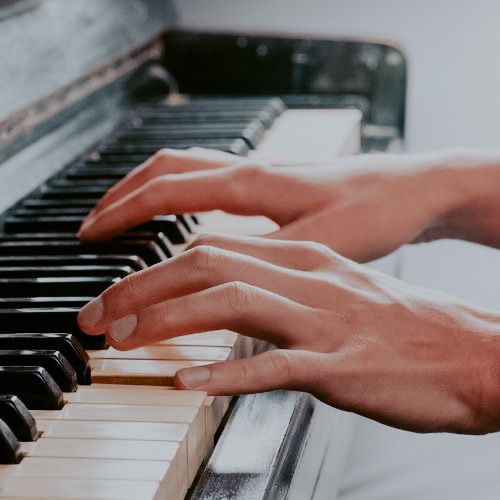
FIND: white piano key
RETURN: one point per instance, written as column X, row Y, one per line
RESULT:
column 186, row 464
column 118, row 450
column 135, row 395
column 166, row 352
column 81, row 489
column 85, row 468
column 148, row 431
column 138, row 371
column 194, row 417
column 216, row 338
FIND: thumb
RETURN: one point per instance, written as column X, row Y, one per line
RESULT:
column 277, row 369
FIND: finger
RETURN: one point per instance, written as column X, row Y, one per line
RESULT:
column 245, row 190
column 290, row 254
column 277, row 369
column 166, row 161
column 192, row 271
column 352, row 234
column 235, row 306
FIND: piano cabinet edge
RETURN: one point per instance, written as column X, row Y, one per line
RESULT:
column 268, row 454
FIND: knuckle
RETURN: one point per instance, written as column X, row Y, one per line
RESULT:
column 245, row 373
column 203, row 240
column 197, row 150
column 205, row 258
column 159, row 157
column 152, row 190
column 279, row 363
column 317, row 254
column 244, row 177
column 164, row 157
column 164, row 153
column 165, row 316
column 249, row 171
column 238, row 296
column 127, row 289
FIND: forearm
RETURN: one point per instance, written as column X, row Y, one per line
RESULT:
column 456, row 348
column 460, row 189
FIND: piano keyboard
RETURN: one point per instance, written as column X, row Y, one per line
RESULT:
column 127, row 434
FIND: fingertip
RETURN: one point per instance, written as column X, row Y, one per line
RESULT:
column 178, row 382
column 193, row 378
column 90, row 316
column 92, row 331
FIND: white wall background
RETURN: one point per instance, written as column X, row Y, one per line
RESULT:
column 452, row 46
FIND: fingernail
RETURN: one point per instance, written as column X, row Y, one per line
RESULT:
column 122, row 328
column 91, row 313
column 194, row 377
column 86, row 223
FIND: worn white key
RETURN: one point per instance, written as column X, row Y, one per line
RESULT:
column 166, row 352
column 215, row 407
column 216, row 338
column 84, row 468
column 138, row 371
column 81, row 489
column 194, row 417
column 135, row 395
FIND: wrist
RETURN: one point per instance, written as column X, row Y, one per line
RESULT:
column 483, row 361
column 460, row 189
column 465, row 349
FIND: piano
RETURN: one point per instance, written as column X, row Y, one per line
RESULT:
column 89, row 90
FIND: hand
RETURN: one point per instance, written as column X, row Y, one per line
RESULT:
column 355, row 338
column 363, row 206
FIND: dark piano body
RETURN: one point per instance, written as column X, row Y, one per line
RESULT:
column 82, row 101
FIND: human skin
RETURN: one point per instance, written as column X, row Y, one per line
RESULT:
column 355, row 338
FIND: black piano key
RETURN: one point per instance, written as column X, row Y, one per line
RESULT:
column 71, row 183
column 15, row 414
column 157, row 237
column 170, row 225
column 236, row 146
column 167, row 126
column 187, row 222
column 79, row 212
column 266, row 117
column 68, row 271
column 33, row 385
column 40, row 203
column 55, row 286
column 10, row 448
column 69, row 219
column 119, row 160
column 48, row 320
column 90, row 174
column 161, row 125
column 74, row 193
column 43, row 302
column 54, row 224
column 53, row 361
column 195, row 135
column 248, row 103
column 148, row 251
column 133, row 261
column 65, row 343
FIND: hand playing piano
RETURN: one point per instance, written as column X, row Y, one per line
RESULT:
column 363, row 207
column 353, row 337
